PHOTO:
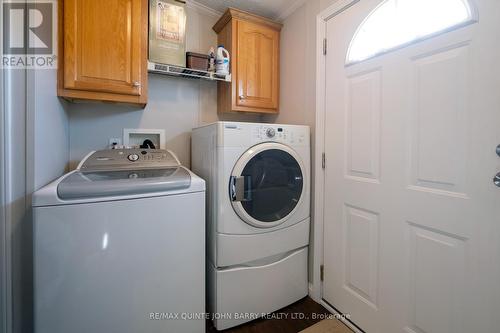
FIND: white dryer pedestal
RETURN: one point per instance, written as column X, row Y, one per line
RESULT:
column 247, row 292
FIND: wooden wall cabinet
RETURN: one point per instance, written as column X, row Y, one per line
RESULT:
column 103, row 50
column 254, row 45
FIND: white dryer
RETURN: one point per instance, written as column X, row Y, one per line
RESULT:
column 258, row 209
column 119, row 246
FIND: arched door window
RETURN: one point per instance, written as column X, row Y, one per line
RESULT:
column 397, row 23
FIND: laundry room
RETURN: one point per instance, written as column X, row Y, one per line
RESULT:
column 191, row 166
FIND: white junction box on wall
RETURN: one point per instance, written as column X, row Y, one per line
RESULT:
column 133, row 137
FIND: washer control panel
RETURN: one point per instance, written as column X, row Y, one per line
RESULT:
column 278, row 133
column 129, row 158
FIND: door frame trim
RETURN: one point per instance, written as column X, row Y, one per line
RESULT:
column 5, row 253
column 5, row 290
column 3, row 220
column 331, row 12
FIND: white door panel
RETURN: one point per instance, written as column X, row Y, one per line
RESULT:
column 412, row 217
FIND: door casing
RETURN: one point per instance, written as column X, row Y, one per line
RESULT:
column 3, row 225
column 5, row 323
column 319, row 180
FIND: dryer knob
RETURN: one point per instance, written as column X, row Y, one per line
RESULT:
column 270, row 132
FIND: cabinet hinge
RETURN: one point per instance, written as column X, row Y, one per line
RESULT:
column 325, row 45
column 323, row 161
column 322, row 272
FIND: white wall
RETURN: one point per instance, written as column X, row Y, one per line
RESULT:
column 175, row 104
column 49, row 146
column 297, row 61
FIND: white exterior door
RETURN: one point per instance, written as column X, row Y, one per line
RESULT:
column 411, row 213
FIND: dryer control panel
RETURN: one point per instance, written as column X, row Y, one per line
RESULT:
column 278, row 133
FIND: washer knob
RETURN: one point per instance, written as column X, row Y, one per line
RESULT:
column 133, row 157
column 270, row 132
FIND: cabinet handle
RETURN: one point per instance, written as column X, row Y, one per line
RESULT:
column 242, row 97
column 136, row 84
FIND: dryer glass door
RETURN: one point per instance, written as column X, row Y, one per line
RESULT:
column 269, row 186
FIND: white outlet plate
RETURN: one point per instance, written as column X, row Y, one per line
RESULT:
column 118, row 141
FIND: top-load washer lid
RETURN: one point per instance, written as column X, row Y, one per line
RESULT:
column 122, row 172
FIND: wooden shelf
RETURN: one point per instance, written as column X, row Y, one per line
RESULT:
column 189, row 73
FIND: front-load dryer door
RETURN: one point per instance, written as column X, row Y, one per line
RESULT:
column 267, row 185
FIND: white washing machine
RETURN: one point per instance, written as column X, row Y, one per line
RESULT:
column 258, row 209
column 120, row 246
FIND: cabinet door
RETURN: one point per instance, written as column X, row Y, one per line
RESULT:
column 257, row 62
column 103, row 46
